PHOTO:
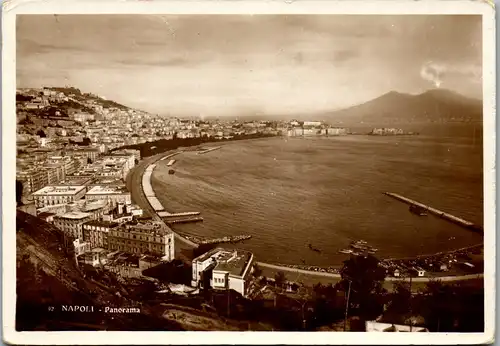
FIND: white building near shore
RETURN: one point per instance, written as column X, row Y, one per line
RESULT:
column 223, row 269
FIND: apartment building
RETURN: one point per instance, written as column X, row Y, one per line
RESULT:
column 33, row 180
column 96, row 232
column 55, row 194
column 72, row 223
column 143, row 238
column 113, row 194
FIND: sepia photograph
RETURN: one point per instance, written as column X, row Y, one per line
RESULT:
column 263, row 172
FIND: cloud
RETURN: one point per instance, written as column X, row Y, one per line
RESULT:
column 225, row 64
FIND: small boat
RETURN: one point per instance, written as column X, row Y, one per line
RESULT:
column 359, row 246
column 417, row 210
column 346, row 251
column 313, row 249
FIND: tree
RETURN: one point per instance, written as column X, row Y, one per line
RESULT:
column 280, row 279
column 400, row 298
column 362, row 278
column 257, row 271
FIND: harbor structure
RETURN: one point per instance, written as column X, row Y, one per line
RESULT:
column 437, row 212
column 223, row 269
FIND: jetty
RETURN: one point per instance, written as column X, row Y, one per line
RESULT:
column 226, row 239
column 187, row 213
column 437, row 212
column 207, row 150
column 183, row 220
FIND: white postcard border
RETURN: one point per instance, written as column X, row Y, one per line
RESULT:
column 11, row 8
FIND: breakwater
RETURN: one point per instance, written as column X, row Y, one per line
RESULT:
column 188, row 213
column 227, row 239
column 183, row 220
column 437, row 212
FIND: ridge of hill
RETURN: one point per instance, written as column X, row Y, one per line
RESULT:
column 435, row 105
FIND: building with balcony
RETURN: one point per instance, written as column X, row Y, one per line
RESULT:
column 54, row 194
column 96, row 232
column 72, row 223
column 113, row 194
column 32, row 179
column 143, row 238
column 223, row 269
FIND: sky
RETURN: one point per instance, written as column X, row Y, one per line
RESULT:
column 230, row 65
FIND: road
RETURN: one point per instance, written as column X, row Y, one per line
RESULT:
column 134, row 185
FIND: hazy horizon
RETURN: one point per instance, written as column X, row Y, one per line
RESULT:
column 216, row 65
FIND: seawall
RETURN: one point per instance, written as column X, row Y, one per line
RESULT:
column 437, row 212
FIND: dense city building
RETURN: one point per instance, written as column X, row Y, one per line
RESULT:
column 141, row 238
column 112, row 194
column 72, row 223
column 52, row 195
column 96, row 232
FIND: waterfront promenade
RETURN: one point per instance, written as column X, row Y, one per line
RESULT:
column 134, row 184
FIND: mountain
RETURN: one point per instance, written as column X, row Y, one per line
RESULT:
column 436, row 105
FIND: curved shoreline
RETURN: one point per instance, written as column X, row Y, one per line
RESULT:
column 153, row 159
column 388, row 278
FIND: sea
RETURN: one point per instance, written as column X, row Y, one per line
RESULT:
column 295, row 193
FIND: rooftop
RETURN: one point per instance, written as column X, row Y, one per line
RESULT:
column 45, row 214
column 76, row 215
column 102, row 223
column 59, row 190
column 232, row 261
column 106, row 190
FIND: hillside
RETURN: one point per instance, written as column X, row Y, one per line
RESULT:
column 79, row 96
column 48, row 278
column 436, row 105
